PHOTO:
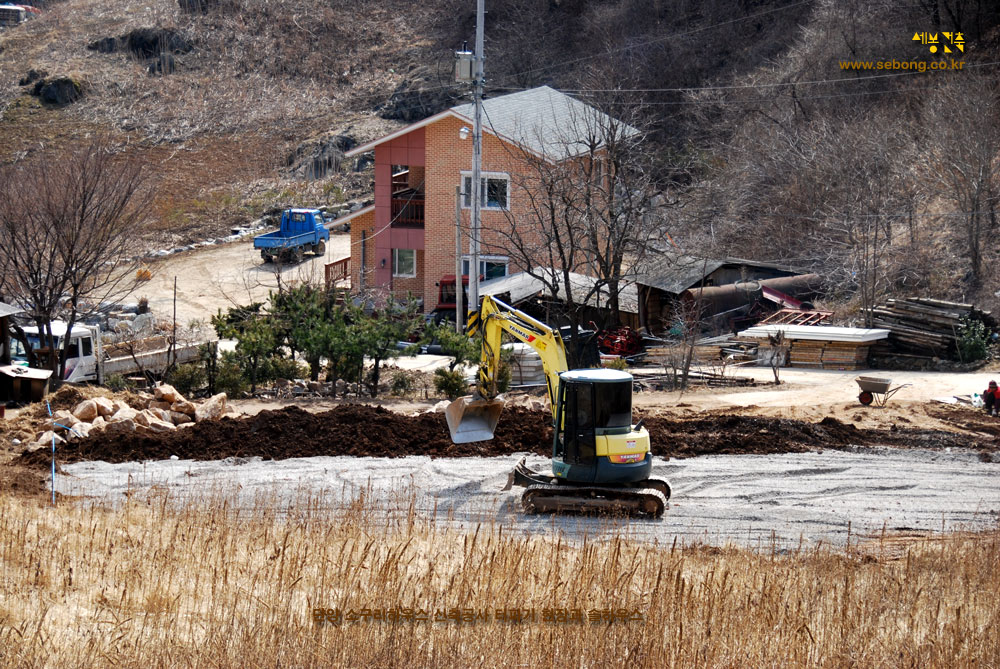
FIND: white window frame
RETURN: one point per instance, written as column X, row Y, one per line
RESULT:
column 484, row 177
column 496, row 260
column 395, row 264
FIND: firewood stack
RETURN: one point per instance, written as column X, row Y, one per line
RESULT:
column 925, row 326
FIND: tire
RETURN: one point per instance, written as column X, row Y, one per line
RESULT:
column 320, row 248
column 266, row 256
column 297, row 255
column 866, row 397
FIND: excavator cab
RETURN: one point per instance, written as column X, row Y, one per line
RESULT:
column 594, row 441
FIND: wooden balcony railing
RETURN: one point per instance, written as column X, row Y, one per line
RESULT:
column 338, row 270
column 408, row 211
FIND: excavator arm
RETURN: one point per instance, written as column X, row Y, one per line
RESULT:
column 496, row 318
column 474, row 418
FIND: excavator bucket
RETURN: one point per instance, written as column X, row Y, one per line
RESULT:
column 473, row 418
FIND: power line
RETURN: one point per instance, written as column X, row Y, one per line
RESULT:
column 695, row 89
column 656, row 40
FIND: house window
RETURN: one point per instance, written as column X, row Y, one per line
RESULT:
column 404, row 263
column 490, row 267
column 494, row 189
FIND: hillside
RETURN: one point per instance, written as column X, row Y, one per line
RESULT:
column 761, row 153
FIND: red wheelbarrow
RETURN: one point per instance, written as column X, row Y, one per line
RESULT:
column 876, row 389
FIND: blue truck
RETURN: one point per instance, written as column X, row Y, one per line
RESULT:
column 301, row 231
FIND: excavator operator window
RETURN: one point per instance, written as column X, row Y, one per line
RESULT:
column 579, row 424
column 613, row 405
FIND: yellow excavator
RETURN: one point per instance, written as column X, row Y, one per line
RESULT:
column 600, row 460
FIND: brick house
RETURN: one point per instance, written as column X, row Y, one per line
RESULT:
column 405, row 242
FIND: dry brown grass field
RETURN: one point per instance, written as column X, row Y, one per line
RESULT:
column 156, row 583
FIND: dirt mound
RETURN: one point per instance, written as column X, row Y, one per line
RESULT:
column 359, row 430
column 294, row 433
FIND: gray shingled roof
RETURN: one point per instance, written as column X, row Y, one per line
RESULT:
column 543, row 120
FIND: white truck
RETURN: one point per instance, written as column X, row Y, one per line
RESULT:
column 89, row 360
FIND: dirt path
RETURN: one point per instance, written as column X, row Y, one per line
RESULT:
column 218, row 277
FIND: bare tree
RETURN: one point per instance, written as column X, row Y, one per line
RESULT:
column 583, row 206
column 966, row 116
column 70, row 227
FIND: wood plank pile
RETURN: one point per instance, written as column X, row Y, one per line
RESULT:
column 818, row 354
column 695, row 377
column 845, row 355
column 925, row 325
column 704, row 354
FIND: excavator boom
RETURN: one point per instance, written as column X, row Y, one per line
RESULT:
column 475, row 418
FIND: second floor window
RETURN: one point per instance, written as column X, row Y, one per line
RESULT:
column 494, row 190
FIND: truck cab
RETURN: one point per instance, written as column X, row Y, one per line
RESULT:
column 84, row 347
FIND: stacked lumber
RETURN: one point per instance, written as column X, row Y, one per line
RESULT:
column 709, row 354
column 806, row 353
column 845, row 355
column 674, row 355
column 925, row 325
column 826, row 354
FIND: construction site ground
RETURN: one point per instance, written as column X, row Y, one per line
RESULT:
column 801, row 461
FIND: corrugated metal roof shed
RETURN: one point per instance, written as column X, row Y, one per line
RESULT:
column 674, row 272
column 522, row 286
column 677, row 272
column 8, row 310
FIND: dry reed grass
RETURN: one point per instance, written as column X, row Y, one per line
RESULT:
column 153, row 583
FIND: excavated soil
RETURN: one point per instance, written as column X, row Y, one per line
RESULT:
column 359, row 430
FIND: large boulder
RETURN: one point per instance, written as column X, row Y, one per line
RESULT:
column 178, row 418
column 62, row 420
column 161, row 426
column 59, row 90
column 124, row 413
column 184, row 406
column 420, row 95
column 211, row 409
column 166, row 393
column 316, row 157
column 86, row 410
column 80, row 431
column 144, row 43
column 104, row 406
column 45, row 441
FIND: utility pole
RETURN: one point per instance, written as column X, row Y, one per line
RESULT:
column 460, row 317
column 477, row 163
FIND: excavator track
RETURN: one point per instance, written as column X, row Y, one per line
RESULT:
column 541, row 498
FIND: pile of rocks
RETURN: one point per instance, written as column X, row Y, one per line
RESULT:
column 165, row 410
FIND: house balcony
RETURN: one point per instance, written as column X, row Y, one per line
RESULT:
column 407, row 209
